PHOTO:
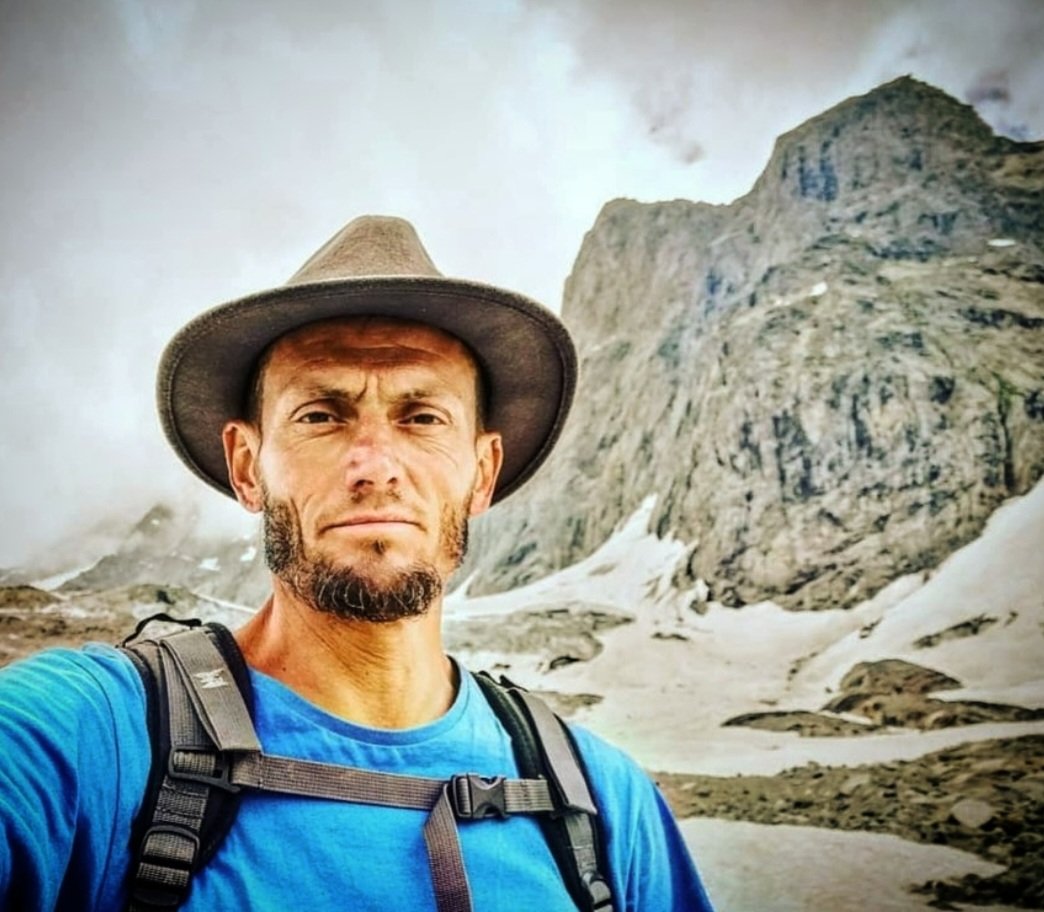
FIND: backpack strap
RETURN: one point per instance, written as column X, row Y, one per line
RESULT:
column 544, row 748
column 205, row 749
column 190, row 678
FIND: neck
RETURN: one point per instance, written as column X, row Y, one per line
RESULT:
column 383, row 675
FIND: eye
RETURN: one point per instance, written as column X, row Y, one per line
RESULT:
column 425, row 419
column 315, row 416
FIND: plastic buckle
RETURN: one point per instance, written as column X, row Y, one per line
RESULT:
column 161, row 872
column 222, row 779
column 475, row 797
column 598, row 891
column 149, row 853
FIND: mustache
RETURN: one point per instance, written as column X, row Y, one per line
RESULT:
column 387, row 501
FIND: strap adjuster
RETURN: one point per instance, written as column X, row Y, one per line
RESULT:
column 476, row 797
column 598, row 890
column 209, row 767
column 164, row 867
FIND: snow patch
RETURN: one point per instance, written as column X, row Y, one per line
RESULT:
column 632, row 568
column 1001, row 242
column 1000, row 575
column 671, row 677
column 791, row 868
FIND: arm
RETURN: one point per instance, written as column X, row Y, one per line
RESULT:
column 66, row 793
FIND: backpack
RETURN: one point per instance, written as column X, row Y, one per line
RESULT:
column 205, row 751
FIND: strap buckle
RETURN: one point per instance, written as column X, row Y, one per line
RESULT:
column 212, row 768
column 477, row 797
column 597, row 890
column 163, row 867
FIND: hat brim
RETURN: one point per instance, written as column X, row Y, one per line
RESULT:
column 523, row 349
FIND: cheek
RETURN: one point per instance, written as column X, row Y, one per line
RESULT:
column 293, row 474
column 449, row 460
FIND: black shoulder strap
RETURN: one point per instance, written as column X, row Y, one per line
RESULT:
column 177, row 830
column 544, row 748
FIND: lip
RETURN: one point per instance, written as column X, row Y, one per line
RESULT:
column 372, row 519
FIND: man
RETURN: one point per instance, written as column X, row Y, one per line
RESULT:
column 367, row 410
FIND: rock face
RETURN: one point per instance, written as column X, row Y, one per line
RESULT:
column 828, row 383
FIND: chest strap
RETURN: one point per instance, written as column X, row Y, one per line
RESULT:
column 213, row 746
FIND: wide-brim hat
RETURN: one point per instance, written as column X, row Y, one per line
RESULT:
column 374, row 266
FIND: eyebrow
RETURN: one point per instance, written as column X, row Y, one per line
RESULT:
column 340, row 394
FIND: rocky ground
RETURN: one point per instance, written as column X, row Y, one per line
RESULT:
column 32, row 619
column 985, row 797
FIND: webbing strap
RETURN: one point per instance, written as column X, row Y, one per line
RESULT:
column 559, row 753
column 448, row 875
column 471, row 796
column 568, row 778
column 467, row 797
column 218, row 703
column 171, row 843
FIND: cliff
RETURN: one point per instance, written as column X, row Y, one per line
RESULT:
column 828, row 383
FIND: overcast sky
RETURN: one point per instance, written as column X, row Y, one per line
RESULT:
column 158, row 157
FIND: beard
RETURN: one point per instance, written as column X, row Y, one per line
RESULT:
column 346, row 591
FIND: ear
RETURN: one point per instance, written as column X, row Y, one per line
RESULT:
column 490, row 458
column 242, row 444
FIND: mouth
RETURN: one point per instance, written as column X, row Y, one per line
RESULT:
column 369, row 522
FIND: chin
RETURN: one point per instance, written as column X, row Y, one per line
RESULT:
column 378, row 562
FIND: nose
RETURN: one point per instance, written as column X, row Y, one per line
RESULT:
column 371, row 463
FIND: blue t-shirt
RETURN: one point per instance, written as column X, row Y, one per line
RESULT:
column 75, row 756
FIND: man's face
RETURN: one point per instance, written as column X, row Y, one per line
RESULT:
column 367, row 461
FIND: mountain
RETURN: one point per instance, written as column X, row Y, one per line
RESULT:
column 827, row 384
column 167, row 545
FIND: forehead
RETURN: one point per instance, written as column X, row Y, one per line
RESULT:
column 368, row 342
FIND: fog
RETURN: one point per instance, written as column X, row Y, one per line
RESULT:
column 159, row 159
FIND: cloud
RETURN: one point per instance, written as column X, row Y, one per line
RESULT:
column 725, row 76
column 162, row 158
column 159, row 159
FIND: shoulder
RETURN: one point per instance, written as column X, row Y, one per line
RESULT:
column 56, row 681
column 76, row 758
column 72, row 705
column 649, row 861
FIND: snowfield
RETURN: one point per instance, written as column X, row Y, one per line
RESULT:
column 671, row 676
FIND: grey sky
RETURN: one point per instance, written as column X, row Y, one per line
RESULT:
column 158, row 158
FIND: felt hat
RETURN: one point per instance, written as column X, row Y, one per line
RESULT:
column 374, row 266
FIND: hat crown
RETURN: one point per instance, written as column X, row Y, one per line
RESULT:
column 371, row 245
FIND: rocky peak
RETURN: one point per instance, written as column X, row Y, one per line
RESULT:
column 906, row 163
column 827, row 383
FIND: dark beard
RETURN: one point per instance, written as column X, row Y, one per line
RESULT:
column 341, row 590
